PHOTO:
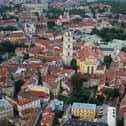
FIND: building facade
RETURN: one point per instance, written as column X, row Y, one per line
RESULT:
column 23, row 105
column 86, row 61
column 84, row 110
column 67, row 48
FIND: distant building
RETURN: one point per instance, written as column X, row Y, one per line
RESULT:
column 84, row 110
column 67, row 48
column 76, row 122
column 111, row 47
column 6, row 109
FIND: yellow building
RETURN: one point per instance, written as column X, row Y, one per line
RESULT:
column 84, row 110
column 86, row 61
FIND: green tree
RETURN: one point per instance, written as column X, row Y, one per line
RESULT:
column 50, row 24
column 25, row 56
column 120, row 122
column 94, row 101
column 77, row 84
column 8, row 28
column 17, row 87
column 123, row 49
column 53, row 13
column 0, row 59
column 107, row 83
column 115, row 92
column 74, row 64
column 39, row 77
column 44, row 60
column 101, row 99
column 7, row 46
column 108, row 34
column 107, row 61
column 80, row 12
column 58, row 114
column 108, row 92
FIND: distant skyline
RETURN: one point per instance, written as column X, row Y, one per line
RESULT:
column 114, row 0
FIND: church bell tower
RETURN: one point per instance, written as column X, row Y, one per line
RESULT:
column 67, row 48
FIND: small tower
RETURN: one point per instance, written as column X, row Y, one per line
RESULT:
column 29, row 28
column 67, row 48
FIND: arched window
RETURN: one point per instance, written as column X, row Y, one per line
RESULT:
column 88, row 68
column 68, row 46
column 92, row 69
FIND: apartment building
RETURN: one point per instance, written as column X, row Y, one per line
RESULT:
column 84, row 110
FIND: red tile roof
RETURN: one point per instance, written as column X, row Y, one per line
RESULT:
column 47, row 119
column 84, row 53
column 122, row 57
column 23, row 102
column 123, row 107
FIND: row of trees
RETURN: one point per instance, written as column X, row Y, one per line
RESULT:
column 97, row 100
column 7, row 46
column 17, row 87
column 107, row 61
column 8, row 28
column 117, row 6
column 9, row 18
column 109, row 34
column 5, row 8
column 53, row 13
column 77, row 95
column 112, row 92
column 80, row 12
column 10, row 7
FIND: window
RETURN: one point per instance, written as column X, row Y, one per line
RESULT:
column 68, row 53
column 88, row 68
column 92, row 70
column 68, row 46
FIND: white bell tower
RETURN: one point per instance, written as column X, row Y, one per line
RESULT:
column 67, row 48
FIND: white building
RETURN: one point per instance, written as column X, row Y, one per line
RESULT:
column 111, row 116
column 6, row 109
column 67, row 48
column 107, row 114
column 29, row 28
column 26, row 104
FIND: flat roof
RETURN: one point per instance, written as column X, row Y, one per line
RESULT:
column 84, row 106
column 76, row 122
